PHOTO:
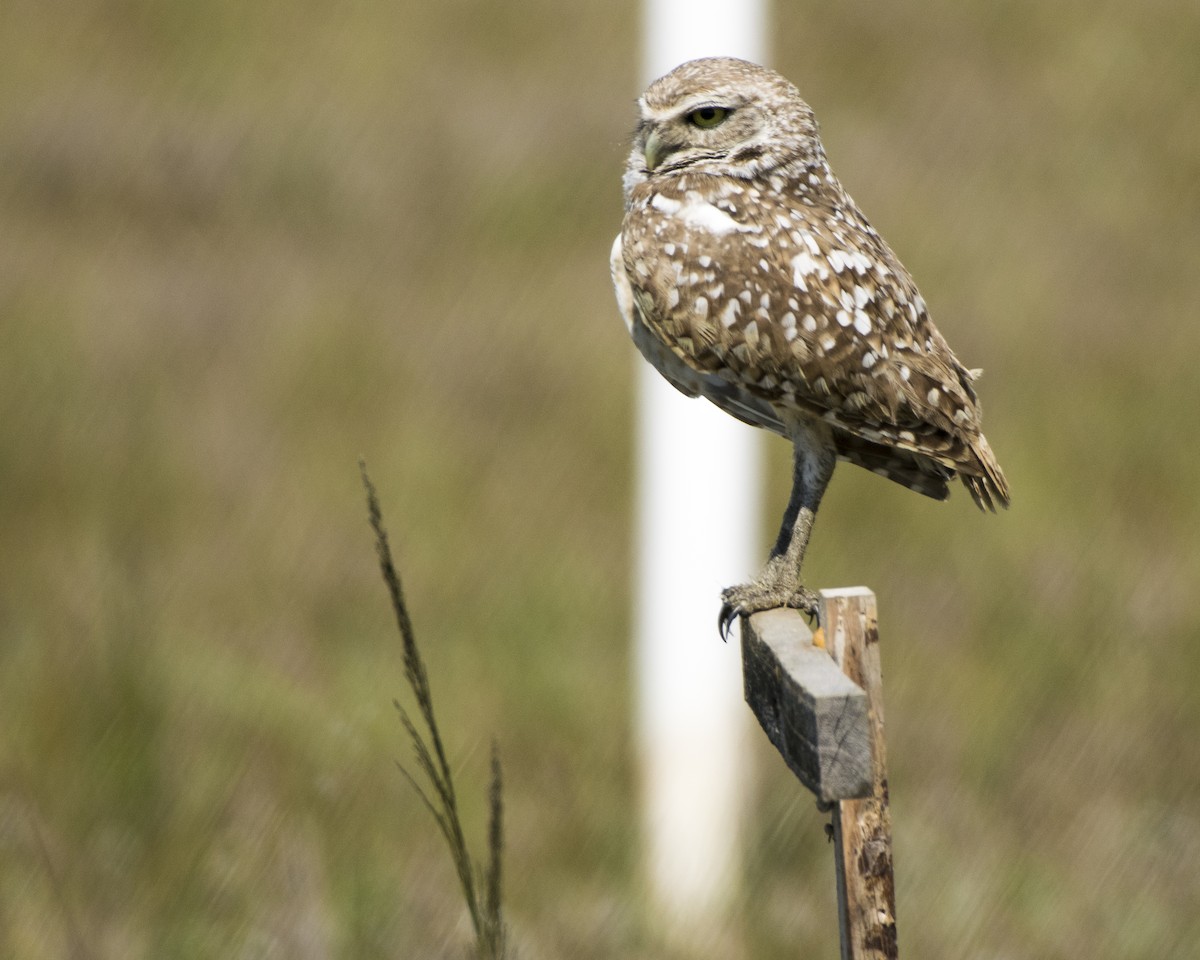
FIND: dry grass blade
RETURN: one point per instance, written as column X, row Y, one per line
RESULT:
column 492, row 881
column 486, row 918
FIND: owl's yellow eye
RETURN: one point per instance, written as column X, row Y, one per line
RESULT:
column 707, row 117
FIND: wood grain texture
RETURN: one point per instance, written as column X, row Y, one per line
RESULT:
column 813, row 713
column 862, row 828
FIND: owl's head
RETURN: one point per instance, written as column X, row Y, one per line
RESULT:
column 722, row 115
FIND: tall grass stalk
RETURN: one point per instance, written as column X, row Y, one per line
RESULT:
column 485, row 910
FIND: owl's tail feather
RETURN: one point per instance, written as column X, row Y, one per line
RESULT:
column 909, row 469
column 985, row 482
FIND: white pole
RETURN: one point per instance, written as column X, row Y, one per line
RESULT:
column 699, row 487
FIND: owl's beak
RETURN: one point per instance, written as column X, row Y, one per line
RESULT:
column 656, row 150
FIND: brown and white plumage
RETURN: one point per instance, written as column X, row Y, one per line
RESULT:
column 748, row 276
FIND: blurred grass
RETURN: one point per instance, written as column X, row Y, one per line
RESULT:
column 246, row 244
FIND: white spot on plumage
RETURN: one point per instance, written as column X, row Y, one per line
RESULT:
column 711, row 219
column 933, row 395
column 730, row 313
column 843, row 318
column 803, row 265
column 809, row 323
column 806, row 238
column 698, row 213
column 667, row 205
column 862, row 323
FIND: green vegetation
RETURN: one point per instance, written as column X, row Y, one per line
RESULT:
column 246, row 244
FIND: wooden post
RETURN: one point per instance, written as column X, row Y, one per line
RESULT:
column 823, row 711
column 862, row 828
column 809, row 709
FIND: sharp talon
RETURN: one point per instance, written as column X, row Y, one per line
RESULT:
column 725, row 621
column 766, row 593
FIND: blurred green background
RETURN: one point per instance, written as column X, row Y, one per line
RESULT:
column 245, row 243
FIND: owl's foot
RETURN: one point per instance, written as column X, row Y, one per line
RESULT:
column 762, row 594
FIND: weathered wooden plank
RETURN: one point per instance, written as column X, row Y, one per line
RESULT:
column 862, row 828
column 815, row 715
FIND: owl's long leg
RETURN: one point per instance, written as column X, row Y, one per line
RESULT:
column 814, row 457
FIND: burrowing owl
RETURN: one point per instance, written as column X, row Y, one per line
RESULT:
column 747, row 275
